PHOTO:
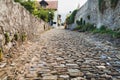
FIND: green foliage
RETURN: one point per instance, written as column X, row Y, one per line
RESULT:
column 45, row 15
column 116, row 34
column 7, row 38
column 102, row 5
column 91, row 28
column 86, row 27
column 30, row 5
column 1, row 55
column 105, row 30
column 78, row 22
column 71, row 18
column 16, row 36
column 78, row 27
column 50, row 15
column 23, row 37
column 102, row 28
column 17, row 0
column 114, row 3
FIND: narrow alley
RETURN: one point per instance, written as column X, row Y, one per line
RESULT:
column 60, row 54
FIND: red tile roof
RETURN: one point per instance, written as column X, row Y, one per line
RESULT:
column 52, row 4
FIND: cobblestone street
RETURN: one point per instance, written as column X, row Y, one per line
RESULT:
column 60, row 54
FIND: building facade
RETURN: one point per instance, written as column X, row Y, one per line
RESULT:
column 51, row 5
column 90, row 13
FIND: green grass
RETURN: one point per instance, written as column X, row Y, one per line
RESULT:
column 103, row 30
column 78, row 28
column 114, row 34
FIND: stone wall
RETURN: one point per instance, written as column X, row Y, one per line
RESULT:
column 110, row 17
column 14, row 18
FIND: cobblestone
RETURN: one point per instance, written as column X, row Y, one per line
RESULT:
column 63, row 55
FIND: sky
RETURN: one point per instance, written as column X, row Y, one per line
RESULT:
column 65, row 6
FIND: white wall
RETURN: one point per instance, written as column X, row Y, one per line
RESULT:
column 110, row 17
column 55, row 18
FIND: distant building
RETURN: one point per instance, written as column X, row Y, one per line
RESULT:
column 52, row 5
column 43, row 4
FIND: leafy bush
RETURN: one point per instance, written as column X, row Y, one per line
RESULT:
column 90, row 27
column 7, row 38
column 105, row 30
column 117, row 35
column 101, row 30
column 78, row 27
column 86, row 27
column 114, row 34
column 30, row 5
column 45, row 15
column 18, row 1
column 71, row 18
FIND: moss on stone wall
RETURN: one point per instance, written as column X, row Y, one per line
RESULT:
column 7, row 38
column 23, row 37
column 102, row 5
column 16, row 36
column 114, row 3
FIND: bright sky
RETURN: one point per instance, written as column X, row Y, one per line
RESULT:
column 65, row 6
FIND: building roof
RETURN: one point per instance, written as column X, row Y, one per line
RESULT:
column 43, row 2
column 52, row 4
